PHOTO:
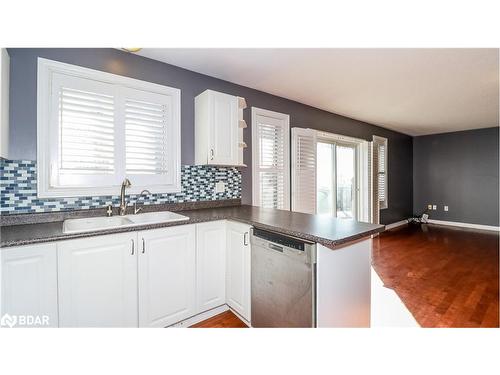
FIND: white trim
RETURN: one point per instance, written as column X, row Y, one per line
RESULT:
column 46, row 70
column 362, row 209
column 207, row 315
column 240, row 317
column 464, row 225
column 255, row 154
column 200, row 317
column 322, row 135
column 4, row 102
column 396, row 224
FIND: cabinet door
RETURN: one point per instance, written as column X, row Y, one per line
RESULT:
column 210, row 265
column 224, row 129
column 98, row 281
column 238, row 268
column 167, row 275
column 29, row 283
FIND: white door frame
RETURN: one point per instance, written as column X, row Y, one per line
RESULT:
column 362, row 208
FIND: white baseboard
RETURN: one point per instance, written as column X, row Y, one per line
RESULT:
column 200, row 317
column 396, row 224
column 464, row 225
column 241, row 318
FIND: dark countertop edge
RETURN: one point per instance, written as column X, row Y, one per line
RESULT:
column 55, row 216
column 323, row 241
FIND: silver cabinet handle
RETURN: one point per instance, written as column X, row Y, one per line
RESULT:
column 143, row 246
column 133, row 247
column 245, row 239
column 211, row 154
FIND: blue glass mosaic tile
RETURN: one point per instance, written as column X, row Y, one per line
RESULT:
column 18, row 189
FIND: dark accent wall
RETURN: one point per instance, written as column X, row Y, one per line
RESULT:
column 460, row 170
column 23, row 113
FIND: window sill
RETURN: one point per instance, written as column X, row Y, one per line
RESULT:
column 103, row 191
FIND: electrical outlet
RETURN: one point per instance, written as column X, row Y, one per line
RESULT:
column 220, row 187
column 434, row 207
column 446, row 208
column 429, row 206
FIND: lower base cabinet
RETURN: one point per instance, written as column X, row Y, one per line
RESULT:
column 153, row 278
column 238, row 259
column 29, row 286
column 210, row 265
column 98, row 281
column 167, row 278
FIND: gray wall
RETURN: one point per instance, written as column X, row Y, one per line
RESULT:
column 460, row 170
column 23, row 113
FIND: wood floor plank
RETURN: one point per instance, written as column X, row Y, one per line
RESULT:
column 227, row 319
column 446, row 276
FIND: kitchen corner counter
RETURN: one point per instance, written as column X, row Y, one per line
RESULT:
column 328, row 231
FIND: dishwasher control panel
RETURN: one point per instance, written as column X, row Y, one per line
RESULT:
column 279, row 239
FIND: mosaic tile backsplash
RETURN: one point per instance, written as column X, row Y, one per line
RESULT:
column 18, row 189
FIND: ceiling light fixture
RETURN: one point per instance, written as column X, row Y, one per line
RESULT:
column 132, row 49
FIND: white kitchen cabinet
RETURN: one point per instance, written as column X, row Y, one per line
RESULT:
column 98, row 281
column 29, row 284
column 238, row 268
column 218, row 120
column 167, row 275
column 210, row 265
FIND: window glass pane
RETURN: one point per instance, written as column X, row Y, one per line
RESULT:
column 345, row 182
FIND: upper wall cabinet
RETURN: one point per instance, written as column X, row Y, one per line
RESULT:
column 219, row 128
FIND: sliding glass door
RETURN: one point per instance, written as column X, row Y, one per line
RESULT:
column 336, row 179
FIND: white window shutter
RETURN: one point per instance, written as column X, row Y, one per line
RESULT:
column 374, row 184
column 379, row 177
column 304, row 170
column 270, row 159
column 87, row 131
column 145, row 136
column 149, row 138
column 84, row 114
column 96, row 128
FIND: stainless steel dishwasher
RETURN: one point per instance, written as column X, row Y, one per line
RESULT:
column 283, row 280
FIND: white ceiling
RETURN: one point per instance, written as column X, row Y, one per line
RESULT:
column 413, row 91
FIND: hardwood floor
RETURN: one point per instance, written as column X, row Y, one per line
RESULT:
column 446, row 276
column 225, row 320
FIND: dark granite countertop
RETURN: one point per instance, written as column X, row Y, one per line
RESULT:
column 327, row 231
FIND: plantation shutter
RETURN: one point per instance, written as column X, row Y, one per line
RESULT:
column 380, row 171
column 374, row 184
column 148, row 136
column 270, row 133
column 381, row 175
column 85, row 112
column 304, row 170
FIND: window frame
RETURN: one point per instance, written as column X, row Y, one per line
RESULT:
column 361, row 172
column 256, row 155
column 47, row 129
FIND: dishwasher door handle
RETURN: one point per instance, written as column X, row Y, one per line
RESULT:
column 275, row 247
